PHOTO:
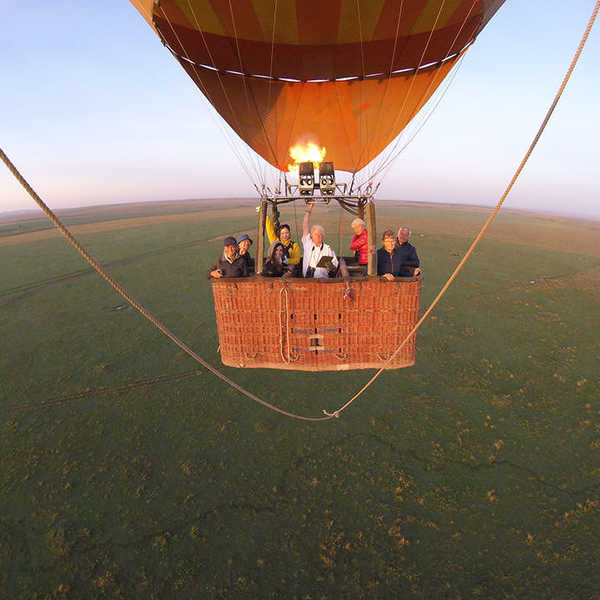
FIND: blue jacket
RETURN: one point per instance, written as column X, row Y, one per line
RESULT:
column 400, row 263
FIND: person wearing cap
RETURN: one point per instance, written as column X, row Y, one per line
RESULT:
column 244, row 242
column 230, row 263
column 290, row 247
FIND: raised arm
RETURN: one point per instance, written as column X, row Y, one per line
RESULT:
column 306, row 221
column 271, row 233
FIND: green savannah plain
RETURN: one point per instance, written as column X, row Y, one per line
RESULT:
column 129, row 471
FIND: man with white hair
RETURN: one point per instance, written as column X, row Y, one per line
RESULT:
column 409, row 259
column 316, row 250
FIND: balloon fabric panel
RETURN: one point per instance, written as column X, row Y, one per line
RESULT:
column 360, row 70
column 354, row 120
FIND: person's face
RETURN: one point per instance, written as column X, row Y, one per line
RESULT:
column 389, row 243
column 279, row 254
column 317, row 237
column 357, row 228
column 230, row 251
column 284, row 234
column 403, row 235
column 244, row 245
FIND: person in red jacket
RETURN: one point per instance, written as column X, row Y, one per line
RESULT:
column 360, row 242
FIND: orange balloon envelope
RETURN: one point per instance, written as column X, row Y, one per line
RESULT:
column 348, row 75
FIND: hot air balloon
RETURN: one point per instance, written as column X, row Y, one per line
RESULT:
column 344, row 76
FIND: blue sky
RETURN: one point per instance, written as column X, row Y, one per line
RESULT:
column 95, row 110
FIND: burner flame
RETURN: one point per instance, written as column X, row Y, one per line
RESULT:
column 304, row 153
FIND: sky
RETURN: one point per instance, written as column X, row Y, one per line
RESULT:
column 94, row 110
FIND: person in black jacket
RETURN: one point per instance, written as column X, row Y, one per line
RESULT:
column 244, row 242
column 388, row 256
column 230, row 263
column 394, row 260
column 408, row 254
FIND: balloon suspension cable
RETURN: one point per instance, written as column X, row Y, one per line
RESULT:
column 336, row 413
column 120, row 290
column 387, row 160
column 235, row 146
column 421, row 59
column 389, row 156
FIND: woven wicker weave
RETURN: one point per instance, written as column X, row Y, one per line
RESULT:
column 314, row 324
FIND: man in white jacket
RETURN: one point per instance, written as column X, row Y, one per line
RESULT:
column 315, row 249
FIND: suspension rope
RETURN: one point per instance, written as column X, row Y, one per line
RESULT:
column 65, row 231
column 206, row 92
column 349, row 145
column 336, row 413
column 271, row 64
column 362, row 117
column 387, row 163
column 390, row 155
column 298, row 104
column 416, row 71
column 389, row 77
column 217, row 71
column 390, row 73
column 248, row 90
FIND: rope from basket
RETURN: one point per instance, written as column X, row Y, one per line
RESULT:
column 63, row 229
column 336, row 413
column 281, row 292
column 185, row 348
column 284, row 291
column 291, row 357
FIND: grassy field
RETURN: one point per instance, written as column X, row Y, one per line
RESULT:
column 127, row 471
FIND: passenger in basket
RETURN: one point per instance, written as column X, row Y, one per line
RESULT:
column 319, row 259
column 290, row 248
column 230, row 263
column 244, row 242
column 408, row 254
column 360, row 242
column 276, row 264
column 388, row 257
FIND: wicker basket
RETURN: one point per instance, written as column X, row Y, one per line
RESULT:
column 316, row 324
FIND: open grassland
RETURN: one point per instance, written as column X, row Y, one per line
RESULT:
column 130, row 472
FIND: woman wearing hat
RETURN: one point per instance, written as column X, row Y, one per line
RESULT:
column 244, row 242
column 230, row 263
